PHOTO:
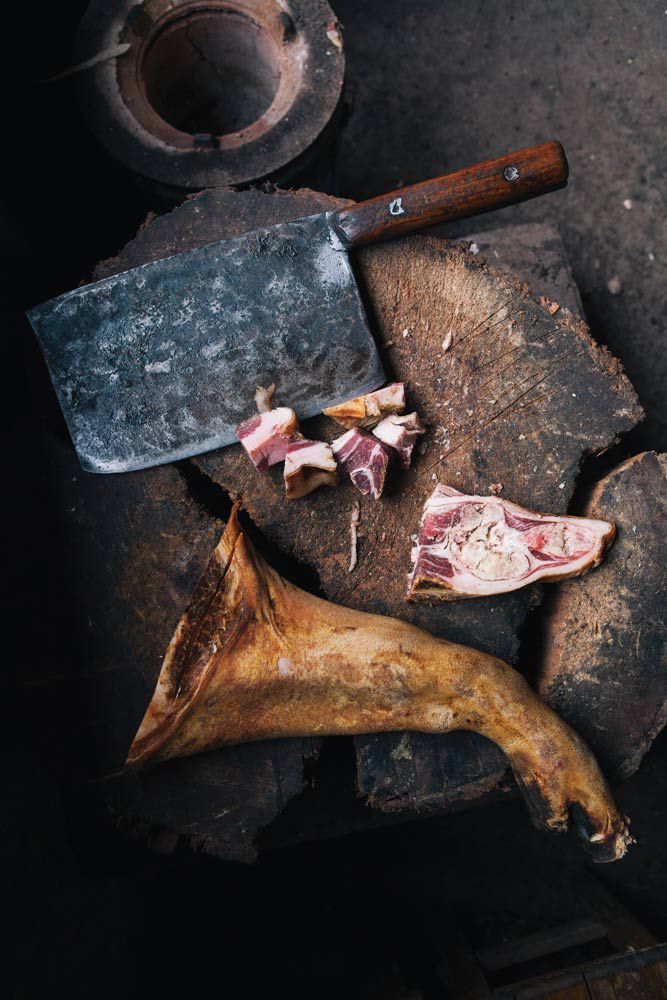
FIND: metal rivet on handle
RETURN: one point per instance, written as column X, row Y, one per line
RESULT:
column 511, row 173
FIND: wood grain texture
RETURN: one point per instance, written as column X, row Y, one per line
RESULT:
column 648, row 983
column 576, row 992
column 519, row 398
column 483, row 187
column 605, row 668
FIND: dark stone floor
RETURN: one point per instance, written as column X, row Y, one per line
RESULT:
column 438, row 85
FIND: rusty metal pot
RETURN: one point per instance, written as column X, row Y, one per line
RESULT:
column 223, row 92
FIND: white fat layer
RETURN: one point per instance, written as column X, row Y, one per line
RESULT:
column 391, row 396
column 317, row 455
column 389, row 432
column 342, row 442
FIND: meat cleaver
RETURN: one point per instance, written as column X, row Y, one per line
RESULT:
column 162, row 362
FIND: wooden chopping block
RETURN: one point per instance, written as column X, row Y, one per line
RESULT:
column 606, row 656
column 519, row 397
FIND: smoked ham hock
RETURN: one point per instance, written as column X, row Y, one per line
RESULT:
column 255, row 657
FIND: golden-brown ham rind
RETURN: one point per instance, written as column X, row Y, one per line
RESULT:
column 368, row 410
column 189, row 653
column 256, row 658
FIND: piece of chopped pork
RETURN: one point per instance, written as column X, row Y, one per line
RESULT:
column 266, row 436
column 368, row 410
column 308, row 464
column 365, row 458
column 401, row 434
column 474, row 546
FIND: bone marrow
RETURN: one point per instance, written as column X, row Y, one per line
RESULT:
column 365, row 459
column 401, row 434
column 308, row 465
column 255, row 658
column 476, row 546
column 368, row 410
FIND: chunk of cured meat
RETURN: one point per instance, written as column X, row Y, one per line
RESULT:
column 308, row 464
column 366, row 411
column 266, row 436
column 365, row 458
column 401, row 434
column 474, row 546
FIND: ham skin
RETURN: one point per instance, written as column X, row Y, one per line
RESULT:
column 265, row 436
column 476, row 546
column 365, row 458
column 368, row 410
column 401, row 434
column 308, row 464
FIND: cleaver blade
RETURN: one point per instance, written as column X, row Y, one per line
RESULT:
column 162, row 362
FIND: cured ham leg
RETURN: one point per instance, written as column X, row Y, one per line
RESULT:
column 474, row 546
column 254, row 658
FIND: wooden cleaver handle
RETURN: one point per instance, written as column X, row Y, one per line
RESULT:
column 488, row 185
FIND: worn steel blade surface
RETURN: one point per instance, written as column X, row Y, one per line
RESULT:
column 162, row 362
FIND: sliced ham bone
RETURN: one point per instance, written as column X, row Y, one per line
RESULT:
column 266, row 436
column 365, row 458
column 474, row 546
column 308, row 464
column 401, row 434
column 366, row 411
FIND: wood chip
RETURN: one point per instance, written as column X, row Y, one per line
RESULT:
column 355, row 517
column 551, row 307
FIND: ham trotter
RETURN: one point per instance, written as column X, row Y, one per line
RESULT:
column 266, row 436
column 473, row 546
column 366, row 411
column 255, row 658
column 365, row 458
column 308, row 464
column 401, row 434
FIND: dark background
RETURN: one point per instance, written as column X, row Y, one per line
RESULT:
column 437, row 85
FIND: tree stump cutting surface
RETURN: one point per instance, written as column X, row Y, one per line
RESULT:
column 606, row 662
column 519, row 398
